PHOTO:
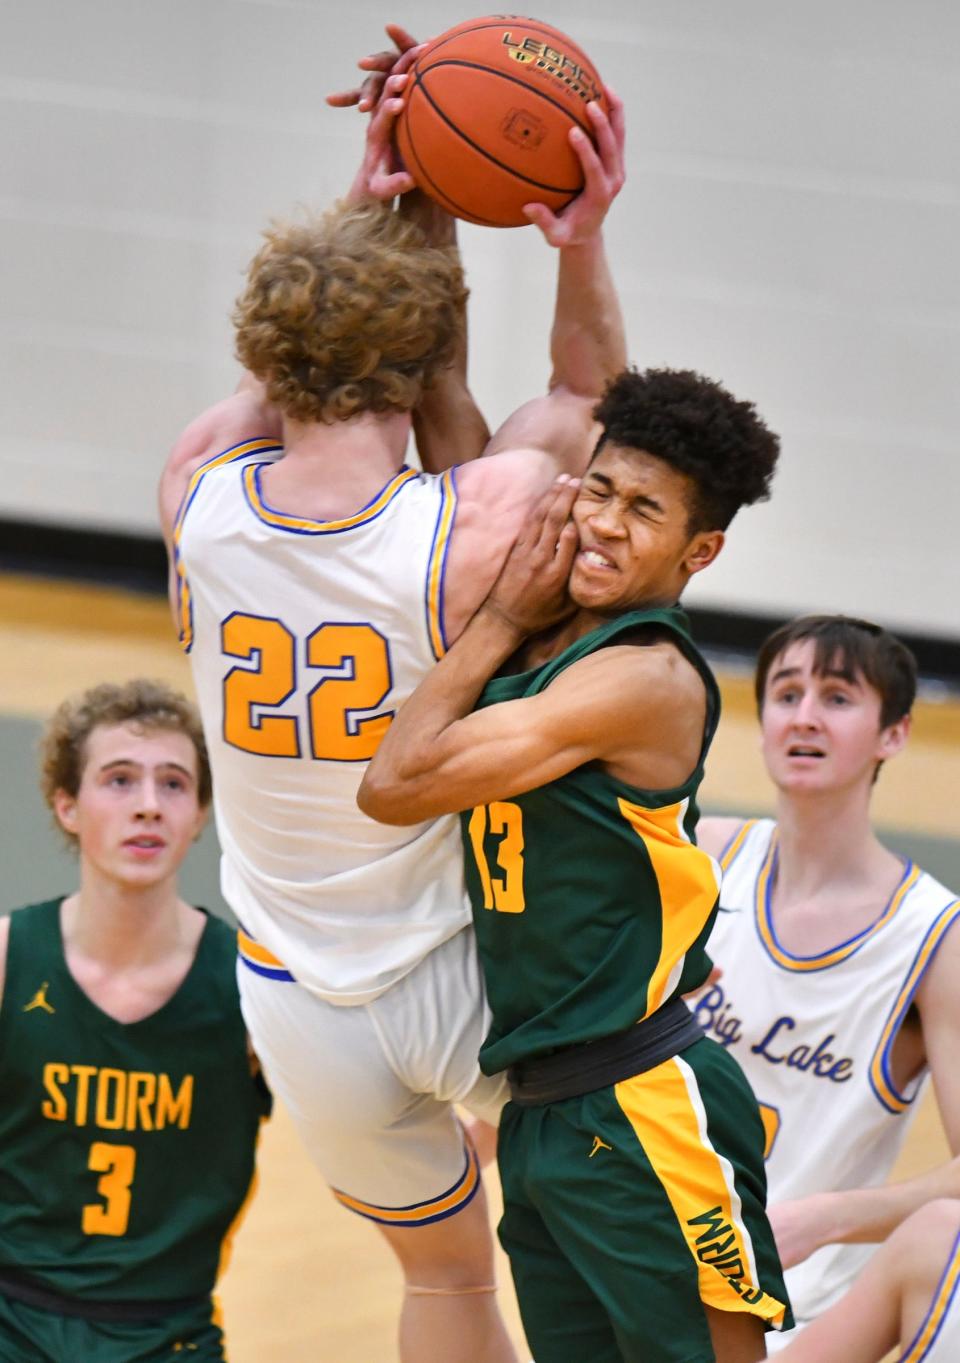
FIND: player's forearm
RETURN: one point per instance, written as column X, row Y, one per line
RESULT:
column 870, row 1215
column 448, row 426
column 588, row 342
column 405, row 778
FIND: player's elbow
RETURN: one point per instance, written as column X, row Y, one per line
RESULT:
column 386, row 800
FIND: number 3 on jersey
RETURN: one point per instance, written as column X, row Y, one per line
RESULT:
column 356, row 660
column 504, row 821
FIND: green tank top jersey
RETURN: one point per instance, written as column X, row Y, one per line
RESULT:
column 591, row 901
column 128, row 1148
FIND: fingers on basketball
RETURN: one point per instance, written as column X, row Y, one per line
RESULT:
column 486, row 117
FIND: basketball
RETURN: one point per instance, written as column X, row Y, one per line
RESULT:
column 487, row 112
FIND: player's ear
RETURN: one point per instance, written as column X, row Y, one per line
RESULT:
column 703, row 549
column 893, row 739
column 65, row 809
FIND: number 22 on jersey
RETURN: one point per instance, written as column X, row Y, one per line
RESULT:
column 346, row 666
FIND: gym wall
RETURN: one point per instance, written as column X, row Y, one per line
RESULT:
column 790, row 226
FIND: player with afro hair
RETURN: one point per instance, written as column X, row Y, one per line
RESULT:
column 693, row 424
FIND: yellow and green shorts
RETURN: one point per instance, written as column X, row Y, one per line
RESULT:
column 628, row 1209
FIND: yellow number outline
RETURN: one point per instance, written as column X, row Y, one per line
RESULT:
column 117, row 1164
column 268, row 643
column 770, row 1116
column 334, row 645
column 505, row 894
column 356, row 657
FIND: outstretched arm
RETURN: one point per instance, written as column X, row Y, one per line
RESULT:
column 448, row 426
column 587, row 343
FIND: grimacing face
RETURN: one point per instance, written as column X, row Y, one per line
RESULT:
column 632, row 515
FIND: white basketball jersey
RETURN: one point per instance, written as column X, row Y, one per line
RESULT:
column 305, row 637
column 814, row 1036
column 938, row 1338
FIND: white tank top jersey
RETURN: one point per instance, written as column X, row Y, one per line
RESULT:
column 814, row 1036
column 305, row 637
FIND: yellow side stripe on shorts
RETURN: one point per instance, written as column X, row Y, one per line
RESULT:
column 259, row 959
column 942, row 1299
column 421, row 1213
column 666, row 1112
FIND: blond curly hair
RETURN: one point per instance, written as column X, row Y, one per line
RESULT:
column 148, row 705
column 348, row 313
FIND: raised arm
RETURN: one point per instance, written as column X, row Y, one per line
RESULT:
column 587, row 342
column 448, row 426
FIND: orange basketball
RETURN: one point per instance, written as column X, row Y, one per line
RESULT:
column 486, row 116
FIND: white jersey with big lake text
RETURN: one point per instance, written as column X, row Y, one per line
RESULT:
column 305, row 637
column 814, row 1036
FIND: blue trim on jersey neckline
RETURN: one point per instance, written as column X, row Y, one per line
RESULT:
column 397, row 482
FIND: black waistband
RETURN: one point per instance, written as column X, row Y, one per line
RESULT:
column 575, row 1070
column 21, row 1287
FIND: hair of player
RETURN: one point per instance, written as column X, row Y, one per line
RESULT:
column 854, row 649
column 150, row 706
column 699, row 429
column 348, row 313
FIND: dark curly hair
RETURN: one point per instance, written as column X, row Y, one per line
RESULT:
column 699, row 429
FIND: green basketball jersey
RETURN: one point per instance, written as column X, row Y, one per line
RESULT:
column 128, row 1148
column 591, row 901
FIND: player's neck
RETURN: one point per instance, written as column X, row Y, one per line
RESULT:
column 333, row 470
column 121, row 927
column 827, row 846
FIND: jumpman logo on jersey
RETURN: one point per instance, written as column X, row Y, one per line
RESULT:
column 598, row 1144
column 39, row 1000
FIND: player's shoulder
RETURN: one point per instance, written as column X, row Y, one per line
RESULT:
column 30, row 918
column 239, row 420
column 219, row 938
column 731, row 838
column 511, row 477
column 716, row 832
column 647, row 667
column 932, row 895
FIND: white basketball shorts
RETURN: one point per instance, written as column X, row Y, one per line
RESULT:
column 371, row 1087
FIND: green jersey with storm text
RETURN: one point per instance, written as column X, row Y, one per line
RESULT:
column 128, row 1148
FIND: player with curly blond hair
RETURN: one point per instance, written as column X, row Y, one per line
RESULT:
column 316, row 578
column 385, row 312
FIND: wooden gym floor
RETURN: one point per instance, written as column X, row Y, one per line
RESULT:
column 308, row 1281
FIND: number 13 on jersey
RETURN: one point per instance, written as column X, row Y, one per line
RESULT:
column 347, row 668
column 502, row 821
